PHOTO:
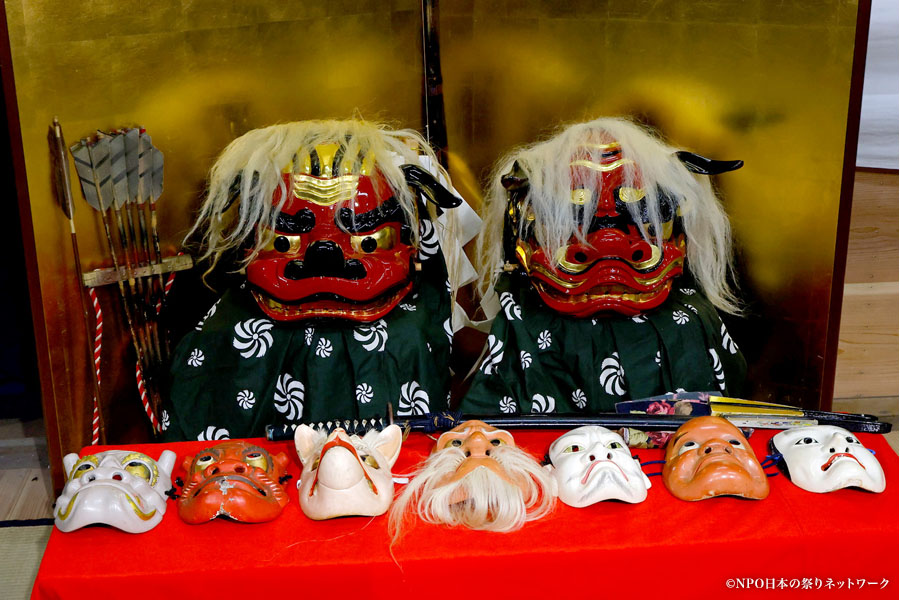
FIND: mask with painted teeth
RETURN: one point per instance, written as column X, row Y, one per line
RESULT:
column 826, row 458
column 120, row 488
column 235, row 480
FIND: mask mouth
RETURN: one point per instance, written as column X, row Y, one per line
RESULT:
column 229, row 477
column 835, row 457
column 594, row 464
column 328, row 304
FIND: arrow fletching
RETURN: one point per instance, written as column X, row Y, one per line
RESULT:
column 132, row 156
column 145, row 166
column 118, row 170
column 99, row 152
column 60, row 164
column 156, row 182
column 82, row 155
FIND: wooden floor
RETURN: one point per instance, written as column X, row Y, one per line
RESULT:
column 867, row 366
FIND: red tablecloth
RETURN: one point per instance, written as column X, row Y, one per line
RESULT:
column 795, row 542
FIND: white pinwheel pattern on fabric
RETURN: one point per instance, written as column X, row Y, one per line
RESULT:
column 428, row 240
column 544, row 339
column 252, row 337
column 691, row 308
column 494, row 356
column 728, row 343
column 579, row 398
column 717, row 369
column 680, row 317
column 525, row 359
column 213, row 433
column 543, row 404
column 373, row 337
column 448, row 329
column 164, row 421
column 289, row 396
column 658, row 357
column 512, row 310
column 308, row 334
column 196, row 358
column 413, row 400
column 612, row 376
column 507, row 405
column 408, row 307
column 246, row 399
column 324, row 348
column 209, row 313
column 688, row 291
column 639, row 319
column 364, row 393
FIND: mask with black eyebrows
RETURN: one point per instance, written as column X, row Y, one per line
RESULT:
column 826, row 458
column 341, row 246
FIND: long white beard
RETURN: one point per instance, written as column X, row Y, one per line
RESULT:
column 491, row 502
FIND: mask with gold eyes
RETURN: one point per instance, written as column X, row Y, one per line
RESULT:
column 627, row 244
column 707, row 457
column 345, row 475
column 591, row 464
column 236, row 480
column 120, row 488
column 341, row 247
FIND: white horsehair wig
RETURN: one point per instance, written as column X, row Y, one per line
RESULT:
column 492, row 503
column 649, row 160
column 256, row 160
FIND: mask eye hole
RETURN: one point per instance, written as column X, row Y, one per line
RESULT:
column 571, row 449
column 201, row 462
column 368, row 244
column 614, row 445
column 806, row 441
column 370, row 460
column 497, row 442
column 257, row 459
column 383, row 239
column 853, row 440
column 688, row 446
column 454, row 443
column 736, row 443
column 84, row 468
column 138, row 469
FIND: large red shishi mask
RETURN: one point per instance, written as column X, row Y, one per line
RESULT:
column 341, row 245
column 236, row 480
column 615, row 268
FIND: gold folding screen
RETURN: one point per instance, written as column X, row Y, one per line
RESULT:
column 767, row 82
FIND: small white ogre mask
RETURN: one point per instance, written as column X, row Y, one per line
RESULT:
column 591, row 464
column 124, row 489
column 826, row 458
column 345, row 475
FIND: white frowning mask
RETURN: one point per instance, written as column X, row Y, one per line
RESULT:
column 120, row 488
column 345, row 475
column 826, row 458
column 591, row 464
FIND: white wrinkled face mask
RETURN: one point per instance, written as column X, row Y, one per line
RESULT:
column 591, row 464
column 120, row 488
column 346, row 475
column 826, row 458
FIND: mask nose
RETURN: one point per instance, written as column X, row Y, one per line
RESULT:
column 477, row 446
column 838, row 443
column 227, row 467
column 716, row 446
column 323, row 257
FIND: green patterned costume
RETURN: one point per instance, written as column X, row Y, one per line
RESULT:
column 239, row 371
column 539, row 361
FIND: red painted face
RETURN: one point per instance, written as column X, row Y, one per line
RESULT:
column 616, row 270
column 233, row 479
column 314, row 267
